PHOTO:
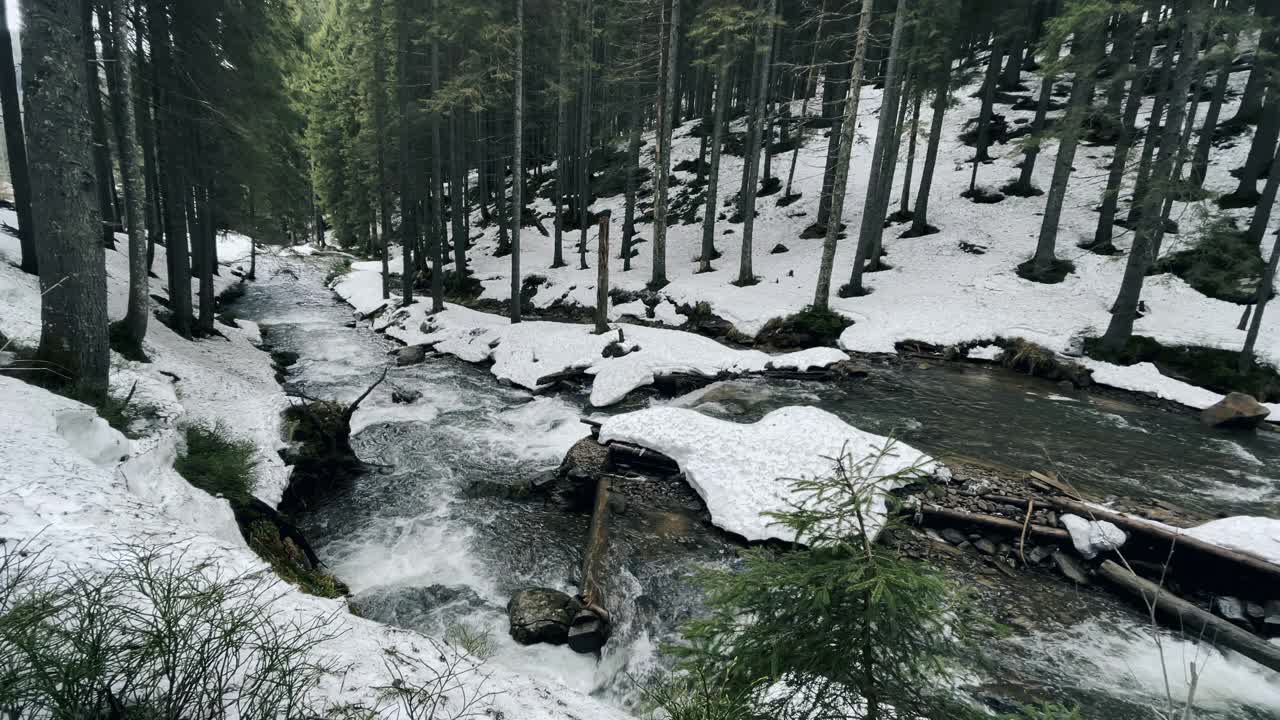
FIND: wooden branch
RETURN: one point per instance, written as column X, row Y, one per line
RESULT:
column 351, row 409
column 590, row 628
column 1151, row 531
column 950, row 518
column 1182, row 615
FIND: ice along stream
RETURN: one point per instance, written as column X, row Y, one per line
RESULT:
column 431, row 542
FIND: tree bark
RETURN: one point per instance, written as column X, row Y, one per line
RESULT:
column 131, row 171
column 658, row 278
column 746, row 276
column 16, row 145
column 408, row 194
column 713, row 174
column 633, row 172
column 1265, row 286
column 822, row 293
column 65, row 216
column 517, row 162
column 905, row 206
column 1200, row 160
column 1146, row 237
column 101, row 150
column 835, row 85
column 584, row 128
column 602, row 275
column 562, row 142
column 983, row 139
column 172, row 170
column 147, row 134
column 436, row 226
column 1154, row 134
column 885, row 158
column 380, row 133
column 941, row 95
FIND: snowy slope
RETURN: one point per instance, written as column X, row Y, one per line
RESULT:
column 745, row 470
column 935, row 291
column 76, row 489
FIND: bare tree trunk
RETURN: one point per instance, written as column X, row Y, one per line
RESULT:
column 1146, row 237
column 822, row 293
column 602, row 276
column 752, row 161
column 172, row 170
column 458, row 196
column 131, row 169
column 517, row 162
column 562, row 141
column 885, row 158
column 1265, row 288
column 147, row 132
column 1102, row 236
column 663, row 170
column 835, row 91
column 633, row 172
column 1025, row 185
column 101, row 151
column 980, row 153
column 1153, row 135
column 380, row 131
column 436, row 229
column 920, row 218
column 17, row 147
column 73, row 280
column 810, row 84
column 584, row 170
column 905, row 206
column 713, row 175
column 1200, row 160
column 408, row 189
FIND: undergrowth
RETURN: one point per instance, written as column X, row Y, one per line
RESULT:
column 1222, row 263
column 217, row 463
column 340, row 268
column 808, row 328
column 1217, row 370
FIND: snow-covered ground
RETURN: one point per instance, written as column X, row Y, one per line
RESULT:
column 743, row 471
column 75, row 488
column 935, row 291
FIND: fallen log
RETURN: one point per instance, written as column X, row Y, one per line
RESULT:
column 1165, row 537
column 1182, row 615
column 637, row 456
column 590, row 628
column 934, row 515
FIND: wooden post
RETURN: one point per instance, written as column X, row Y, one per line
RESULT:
column 602, row 276
column 1183, row 616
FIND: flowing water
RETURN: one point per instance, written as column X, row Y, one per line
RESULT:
column 429, row 540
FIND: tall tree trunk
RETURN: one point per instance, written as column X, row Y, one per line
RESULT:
column 584, row 169
column 408, row 189
column 1146, row 237
column 380, row 148
column 809, row 87
column 101, row 150
column 73, row 280
column 17, row 151
column 1266, row 206
column 437, row 180
column 562, row 141
column 1200, row 160
column 1250, row 110
column 980, row 154
column 885, row 157
column 1257, row 229
column 840, row 183
column 1102, row 236
column 131, row 171
column 1025, row 185
column 905, row 206
column 1042, row 267
column 633, row 173
column 835, row 91
column 1154, row 134
column 663, row 170
column 147, row 134
column 1259, row 159
column 746, row 276
column 172, row 169
column 941, row 95
column 458, row 197
column 713, row 174
column 517, row 162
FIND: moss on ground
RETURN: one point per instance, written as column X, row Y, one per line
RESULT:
column 1222, row 263
column 808, row 328
column 1217, row 370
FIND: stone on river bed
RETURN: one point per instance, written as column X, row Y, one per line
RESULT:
column 1236, row 410
column 541, row 615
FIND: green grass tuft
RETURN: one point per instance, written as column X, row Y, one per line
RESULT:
column 218, row 463
column 1222, row 263
column 339, row 269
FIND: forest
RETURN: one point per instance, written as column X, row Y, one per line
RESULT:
column 558, row 358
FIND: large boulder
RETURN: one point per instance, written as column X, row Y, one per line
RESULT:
column 541, row 615
column 411, row 355
column 1236, row 410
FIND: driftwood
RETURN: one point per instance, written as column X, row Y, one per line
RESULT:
column 1182, row 615
column 1160, row 537
column 625, row 453
column 590, row 627
column 946, row 517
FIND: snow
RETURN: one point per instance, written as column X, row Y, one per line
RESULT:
column 527, row 352
column 75, row 488
column 935, row 292
column 990, row 353
column 1091, row 537
column 743, row 470
column 1258, row 536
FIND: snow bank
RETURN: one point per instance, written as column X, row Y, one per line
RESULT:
column 742, row 471
column 525, row 353
column 1258, row 536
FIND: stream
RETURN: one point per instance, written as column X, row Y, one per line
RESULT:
column 430, row 541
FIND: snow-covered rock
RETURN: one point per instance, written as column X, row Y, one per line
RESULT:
column 743, row 471
column 1091, row 537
